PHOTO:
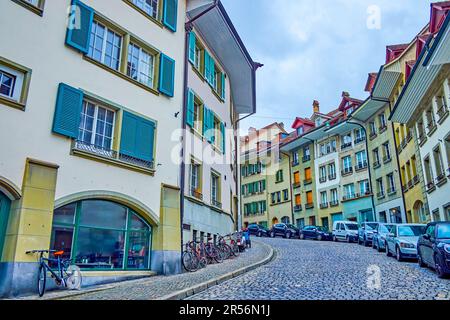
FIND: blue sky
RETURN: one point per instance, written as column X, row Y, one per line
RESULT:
column 317, row 49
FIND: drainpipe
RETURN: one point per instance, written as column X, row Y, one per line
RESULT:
column 397, row 159
column 368, row 162
column 188, row 28
column 290, row 185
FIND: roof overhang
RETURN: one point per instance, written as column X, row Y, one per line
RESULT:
column 428, row 67
column 370, row 107
column 342, row 128
column 387, row 80
column 213, row 24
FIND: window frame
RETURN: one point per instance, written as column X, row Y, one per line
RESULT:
column 157, row 20
column 37, row 9
column 25, row 73
column 151, row 53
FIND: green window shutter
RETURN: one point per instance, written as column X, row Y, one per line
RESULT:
column 190, row 109
column 166, row 75
column 170, row 13
column 205, row 121
column 264, row 185
column 212, row 74
column 222, row 94
column 243, row 190
column 79, row 28
column 192, row 47
column 222, row 132
column 137, row 138
column 69, row 104
column 207, row 66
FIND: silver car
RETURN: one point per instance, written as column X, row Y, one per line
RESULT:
column 402, row 241
column 379, row 236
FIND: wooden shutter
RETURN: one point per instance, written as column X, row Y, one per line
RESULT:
column 190, row 109
column 297, row 177
column 192, row 40
column 298, row 200
column 308, row 174
column 166, row 75
column 207, row 72
column 170, row 13
column 309, row 197
column 223, row 86
column 222, row 133
column 69, row 104
column 137, row 138
column 79, row 28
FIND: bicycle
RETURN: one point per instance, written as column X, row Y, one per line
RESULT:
column 66, row 275
column 193, row 258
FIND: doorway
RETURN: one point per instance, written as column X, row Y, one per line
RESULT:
column 5, row 204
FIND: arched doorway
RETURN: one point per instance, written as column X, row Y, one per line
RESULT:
column 5, row 204
column 418, row 214
column 102, row 235
column 274, row 221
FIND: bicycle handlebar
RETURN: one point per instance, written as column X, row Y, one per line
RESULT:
column 40, row 251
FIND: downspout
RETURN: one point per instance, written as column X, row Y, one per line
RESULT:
column 369, row 169
column 397, row 159
column 188, row 28
column 291, row 189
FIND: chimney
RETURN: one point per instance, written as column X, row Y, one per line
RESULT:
column 316, row 106
column 345, row 94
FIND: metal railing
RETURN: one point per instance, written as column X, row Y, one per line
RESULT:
column 306, row 158
column 298, row 208
column 360, row 139
column 216, row 203
column 334, row 203
column 332, row 176
column 361, row 166
column 346, row 146
column 347, row 171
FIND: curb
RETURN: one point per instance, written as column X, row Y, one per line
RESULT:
column 185, row 293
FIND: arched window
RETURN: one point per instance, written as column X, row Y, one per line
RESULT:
column 98, row 234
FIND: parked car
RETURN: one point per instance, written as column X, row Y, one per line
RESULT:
column 433, row 248
column 316, row 233
column 379, row 236
column 258, row 230
column 285, row 230
column 366, row 232
column 345, row 230
column 402, row 241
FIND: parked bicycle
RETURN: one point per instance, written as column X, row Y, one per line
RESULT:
column 66, row 274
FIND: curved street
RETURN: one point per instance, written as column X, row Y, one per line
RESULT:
column 311, row 270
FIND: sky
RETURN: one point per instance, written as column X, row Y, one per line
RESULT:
column 316, row 49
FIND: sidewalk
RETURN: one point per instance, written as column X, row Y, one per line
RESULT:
column 170, row 287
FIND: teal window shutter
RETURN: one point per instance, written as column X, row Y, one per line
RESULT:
column 190, row 109
column 212, row 69
column 222, row 132
column 166, row 75
column 170, row 13
column 205, row 121
column 207, row 66
column 222, row 94
column 138, row 136
column 192, row 47
column 79, row 29
column 211, row 127
column 69, row 104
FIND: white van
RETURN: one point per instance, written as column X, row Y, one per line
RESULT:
column 345, row 231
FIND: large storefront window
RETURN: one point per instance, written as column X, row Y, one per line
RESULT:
column 99, row 234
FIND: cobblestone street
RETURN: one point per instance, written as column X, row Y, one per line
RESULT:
column 311, row 270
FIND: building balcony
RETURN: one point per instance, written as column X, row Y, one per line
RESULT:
column 306, row 158
column 441, row 179
column 307, row 182
column 442, row 113
column 332, row 176
column 296, row 185
column 324, row 205
column 323, row 179
column 361, row 166
column 360, row 140
column 112, row 155
column 382, row 129
column 430, row 187
column 196, row 194
column 298, row 208
column 346, row 146
column 376, row 164
column 347, row 172
column 216, row 204
column 309, row 206
column 349, row 197
column 387, row 159
column 334, row 203
column 431, row 128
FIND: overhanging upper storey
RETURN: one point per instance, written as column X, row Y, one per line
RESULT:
column 213, row 24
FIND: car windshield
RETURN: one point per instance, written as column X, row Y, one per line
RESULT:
column 351, row 226
column 385, row 229
column 291, row 226
column 444, row 231
column 371, row 226
column 410, row 231
column 322, row 229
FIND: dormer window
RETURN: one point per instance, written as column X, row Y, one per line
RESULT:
column 318, row 122
column 300, row 130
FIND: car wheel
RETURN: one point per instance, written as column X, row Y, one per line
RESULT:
column 319, row 237
column 272, row 234
column 388, row 253
column 288, row 235
column 398, row 255
column 335, row 239
column 420, row 260
column 302, row 236
column 259, row 234
column 438, row 267
column 347, row 238
column 374, row 245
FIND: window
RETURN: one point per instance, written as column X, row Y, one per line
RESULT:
column 7, row 82
column 295, row 158
column 332, row 171
column 364, row 187
column 346, row 141
column 309, row 198
column 300, row 131
column 380, row 187
column 99, row 234
column 323, row 198
column 96, row 126
column 382, row 120
column 360, row 135
column 215, row 189
column 279, row 176
column 35, row 6
column 373, row 130
column 447, row 152
column 428, row 173
column 349, row 191
column 431, row 123
column 323, row 174
column 361, row 159
column 14, row 84
column 105, row 46
column 141, row 65
column 273, row 198
column 150, row 7
column 347, row 164
column 296, row 177
column 391, row 183
column 387, row 152
column 308, row 175
column 376, row 157
column 195, row 180
column 334, row 196
column 285, row 195
column 198, row 116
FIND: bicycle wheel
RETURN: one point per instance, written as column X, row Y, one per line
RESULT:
column 42, row 278
column 73, row 280
column 226, row 251
column 203, row 262
column 190, row 262
column 235, row 250
column 218, row 254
